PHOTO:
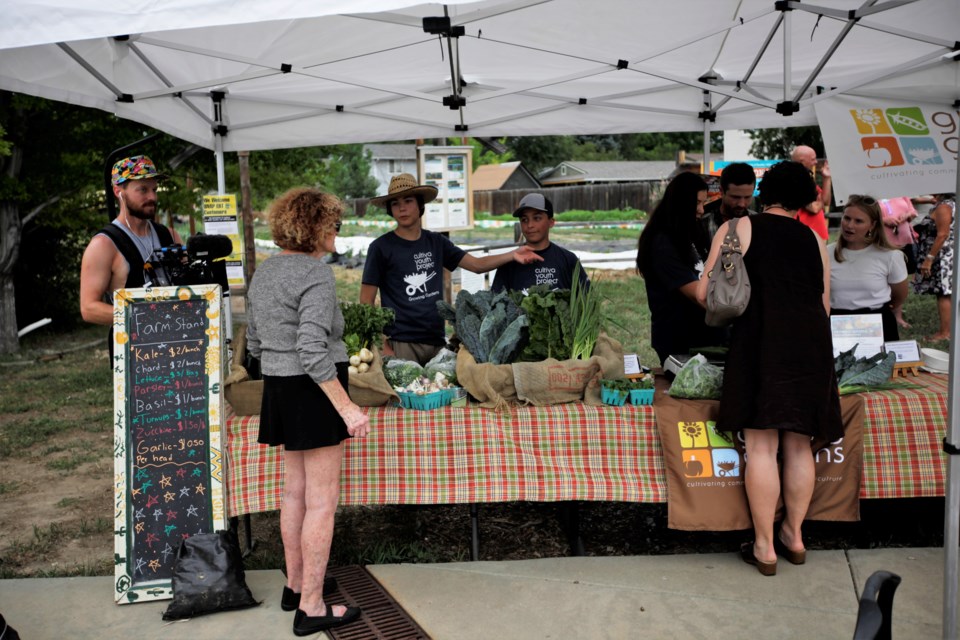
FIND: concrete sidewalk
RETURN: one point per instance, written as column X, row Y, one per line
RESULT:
column 680, row 596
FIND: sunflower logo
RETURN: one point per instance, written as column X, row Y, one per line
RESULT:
column 694, row 431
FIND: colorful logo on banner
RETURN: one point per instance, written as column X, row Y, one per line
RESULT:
column 894, row 137
column 706, row 452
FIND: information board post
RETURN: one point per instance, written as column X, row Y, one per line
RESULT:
column 168, row 412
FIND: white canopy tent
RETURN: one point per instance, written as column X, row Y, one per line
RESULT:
column 246, row 75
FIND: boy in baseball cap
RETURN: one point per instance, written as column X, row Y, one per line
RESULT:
column 406, row 265
column 556, row 269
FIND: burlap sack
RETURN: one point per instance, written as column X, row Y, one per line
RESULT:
column 541, row 383
column 371, row 389
column 243, row 394
column 559, row 381
column 490, row 384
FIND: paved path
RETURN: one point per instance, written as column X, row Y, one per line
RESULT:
column 710, row 596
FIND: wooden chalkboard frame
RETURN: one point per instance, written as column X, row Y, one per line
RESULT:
column 193, row 313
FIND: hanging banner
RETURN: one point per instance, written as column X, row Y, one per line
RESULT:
column 889, row 148
column 220, row 218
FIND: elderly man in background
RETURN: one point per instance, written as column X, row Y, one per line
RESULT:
column 814, row 214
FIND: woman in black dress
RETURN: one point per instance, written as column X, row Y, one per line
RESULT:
column 779, row 383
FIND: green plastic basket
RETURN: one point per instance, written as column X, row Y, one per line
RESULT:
column 613, row 397
column 641, row 396
column 426, row 401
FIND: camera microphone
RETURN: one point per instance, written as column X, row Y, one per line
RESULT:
column 209, row 247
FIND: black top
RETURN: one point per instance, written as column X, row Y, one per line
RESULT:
column 409, row 275
column 676, row 321
column 779, row 371
column 556, row 270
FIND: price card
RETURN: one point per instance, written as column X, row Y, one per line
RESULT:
column 631, row 366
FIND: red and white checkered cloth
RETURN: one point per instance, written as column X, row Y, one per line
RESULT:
column 563, row 452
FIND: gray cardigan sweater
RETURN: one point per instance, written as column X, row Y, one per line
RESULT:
column 294, row 324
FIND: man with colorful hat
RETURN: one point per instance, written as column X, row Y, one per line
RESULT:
column 119, row 255
column 535, row 212
column 406, row 267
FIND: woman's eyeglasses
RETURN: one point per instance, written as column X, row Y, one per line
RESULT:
column 337, row 225
column 867, row 200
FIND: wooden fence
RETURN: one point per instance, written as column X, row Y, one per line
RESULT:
column 592, row 197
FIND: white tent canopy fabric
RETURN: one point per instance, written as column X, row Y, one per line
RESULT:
column 298, row 73
column 237, row 75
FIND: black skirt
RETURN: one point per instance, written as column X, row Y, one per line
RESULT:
column 296, row 413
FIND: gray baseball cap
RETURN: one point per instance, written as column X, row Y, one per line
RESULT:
column 535, row 201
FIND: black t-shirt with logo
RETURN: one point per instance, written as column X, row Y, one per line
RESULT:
column 409, row 275
column 556, row 270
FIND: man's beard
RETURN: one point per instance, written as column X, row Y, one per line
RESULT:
column 137, row 212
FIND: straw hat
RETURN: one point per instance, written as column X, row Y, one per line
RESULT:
column 403, row 185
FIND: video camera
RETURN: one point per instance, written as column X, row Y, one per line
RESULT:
column 197, row 263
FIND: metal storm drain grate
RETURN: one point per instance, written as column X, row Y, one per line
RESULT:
column 382, row 617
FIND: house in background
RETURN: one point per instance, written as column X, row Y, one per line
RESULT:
column 603, row 172
column 387, row 160
column 497, row 177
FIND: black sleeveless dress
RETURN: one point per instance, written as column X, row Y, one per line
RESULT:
column 779, row 371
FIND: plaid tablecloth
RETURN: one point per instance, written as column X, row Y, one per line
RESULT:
column 563, row 452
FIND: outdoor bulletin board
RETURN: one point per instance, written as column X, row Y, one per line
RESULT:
column 449, row 170
column 168, row 412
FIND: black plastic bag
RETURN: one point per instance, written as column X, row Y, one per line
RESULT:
column 208, row 577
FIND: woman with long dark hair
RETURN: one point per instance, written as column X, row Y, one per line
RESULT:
column 670, row 256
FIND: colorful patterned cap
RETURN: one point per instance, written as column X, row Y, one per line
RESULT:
column 135, row 168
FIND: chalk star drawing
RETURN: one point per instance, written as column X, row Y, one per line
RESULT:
column 171, row 515
column 146, row 485
column 164, row 481
column 169, row 496
column 151, row 538
column 181, row 473
column 175, row 307
column 139, row 566
column 163, row 345
column 199, row 488
column 167, row 550
column 184, row 492
column 156, row 514
column 196, row 473
column 192, row 511
column 136, row 492
column 139, row 514
column 184, row 536
column 167, row 530
column 154, row 564
column 152, row 500
column 138, row 527
column 191, row 453
column 142, row 474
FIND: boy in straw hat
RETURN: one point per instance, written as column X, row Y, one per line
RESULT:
column 405, row 266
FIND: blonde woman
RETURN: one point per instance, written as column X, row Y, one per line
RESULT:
column 867, row 274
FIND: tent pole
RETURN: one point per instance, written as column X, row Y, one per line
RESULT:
column 951, row 527
column 787, row 56
column 218, row 154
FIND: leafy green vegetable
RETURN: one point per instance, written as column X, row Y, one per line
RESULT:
column 548, row 319
column 863, row 372
column 585, row 317
column 698, row 379
column 625, row 384
column 486, row 323
column 365, row 321
column 400, row 373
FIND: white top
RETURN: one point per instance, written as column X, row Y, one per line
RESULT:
column 863, row 279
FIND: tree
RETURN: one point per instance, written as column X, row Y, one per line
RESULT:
column 776, row 144
column 348, row 172
column 52, row 201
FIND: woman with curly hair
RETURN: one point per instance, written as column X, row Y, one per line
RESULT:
column 779, row 385
column 295, row 328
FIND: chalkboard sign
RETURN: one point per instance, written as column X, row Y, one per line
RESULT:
column 168, row 405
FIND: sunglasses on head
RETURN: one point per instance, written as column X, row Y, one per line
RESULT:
column 867, row 200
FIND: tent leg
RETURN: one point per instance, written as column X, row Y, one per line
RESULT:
column 951, row 526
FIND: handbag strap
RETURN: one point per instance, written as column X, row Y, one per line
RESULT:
column 731, row 241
